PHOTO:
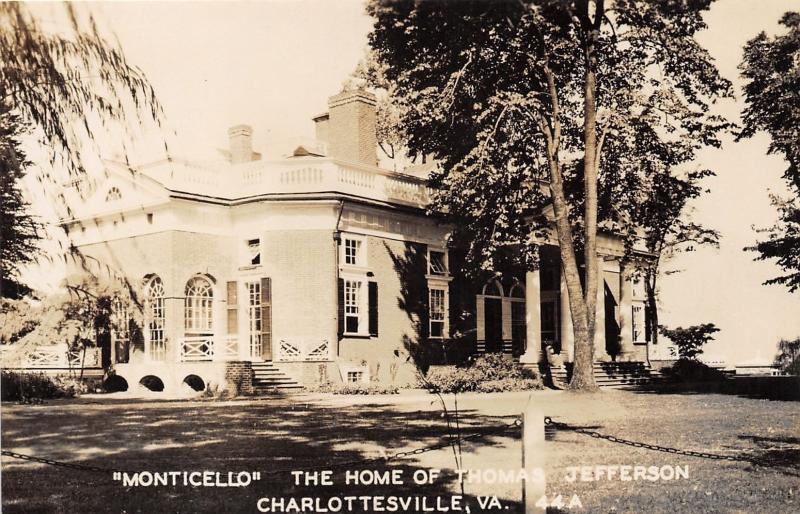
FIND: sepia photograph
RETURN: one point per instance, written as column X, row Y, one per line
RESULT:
column 406, row 256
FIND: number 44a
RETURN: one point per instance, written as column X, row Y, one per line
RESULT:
column 558, row 502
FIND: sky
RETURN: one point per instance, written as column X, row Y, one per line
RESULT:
column 273, row 64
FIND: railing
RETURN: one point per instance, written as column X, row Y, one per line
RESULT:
column 49, row 357
column 297, row 176
column 198, row 348
column 303, row 350
column 230, row 347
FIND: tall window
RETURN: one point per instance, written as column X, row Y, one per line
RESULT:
column 354, row 252
column 199, row 313
column 353, row 299
column 156, row 322
column 254, row 317
column 438, row 313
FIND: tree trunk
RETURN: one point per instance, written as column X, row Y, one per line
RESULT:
column 583, row 370
column 651, row 319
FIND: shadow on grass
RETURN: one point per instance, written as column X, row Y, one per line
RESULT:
column 271, row 436
column 779, row 452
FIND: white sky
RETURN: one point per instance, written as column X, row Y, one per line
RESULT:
column 273, row 65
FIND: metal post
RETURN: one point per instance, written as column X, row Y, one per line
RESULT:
column 533, row 457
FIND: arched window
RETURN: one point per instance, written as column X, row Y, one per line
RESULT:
column 154, row 294
column 517, row 291
column 199, row 297
column 493, row 288
column 113, row 194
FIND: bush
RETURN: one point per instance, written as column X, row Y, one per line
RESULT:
column 355, row 388
column 690, row 340
column 488, row 373
column 687, row 370
column 34, row 387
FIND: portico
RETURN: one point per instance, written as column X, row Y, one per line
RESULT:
column 527, row 315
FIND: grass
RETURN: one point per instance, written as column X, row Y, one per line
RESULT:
column 308, row 431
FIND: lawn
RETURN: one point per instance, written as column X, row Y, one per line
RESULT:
column 276, row 435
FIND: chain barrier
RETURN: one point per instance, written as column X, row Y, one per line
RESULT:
column 52, row 462
column 548, row 421
column 550, row 426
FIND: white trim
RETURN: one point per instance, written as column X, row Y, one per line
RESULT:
column 363, row 304
column 361, row 260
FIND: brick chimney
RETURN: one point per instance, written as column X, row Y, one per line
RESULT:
column 348, row 128
column 240, row 144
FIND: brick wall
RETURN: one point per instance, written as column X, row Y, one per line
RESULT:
column 398, row 268
column 239, row 375
column 301, row 265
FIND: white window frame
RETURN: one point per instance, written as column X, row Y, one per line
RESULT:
column 198, row 317
column 248, row 254
column 361, row 251
column 361, row 304
column 431, row 272
column 445, row 289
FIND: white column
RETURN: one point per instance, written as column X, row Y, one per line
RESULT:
column 567, row 335
column 480, row 324
column 626, row 311
column 533, row 319
column 600, row 316
column 505, row 305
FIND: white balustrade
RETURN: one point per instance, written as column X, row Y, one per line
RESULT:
column 230, row 348
column 198, row 348
column 297, row 176
column 303, row 350
column 49, row 357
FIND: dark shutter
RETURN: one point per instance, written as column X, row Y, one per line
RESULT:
column 340, row 310
column 373, row 309
column 424, row 309
column 266, row 318
column 233, row 308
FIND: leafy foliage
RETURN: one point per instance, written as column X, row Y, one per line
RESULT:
column 54, row 79
column 65, row 88
column 685, row 370
column 663, row 218
column 690, row 340
column 783, row 242
column 771, row 68
column 19, row 231
column 545, row 113
column 488, row 373
column 788, row 357
column 90, row 309
column 35, row 387
column 356, row 388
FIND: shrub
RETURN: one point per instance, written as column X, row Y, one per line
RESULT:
column 488, row 373
column 687, row 370
column 355, row 388
column 35, row 387
column 690, row 340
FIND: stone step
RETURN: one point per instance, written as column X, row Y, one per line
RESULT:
column 268, row 377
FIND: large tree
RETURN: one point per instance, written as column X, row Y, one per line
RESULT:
column 67, row 86
column 19, row 231
column 771, row 68
column 549, row 113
